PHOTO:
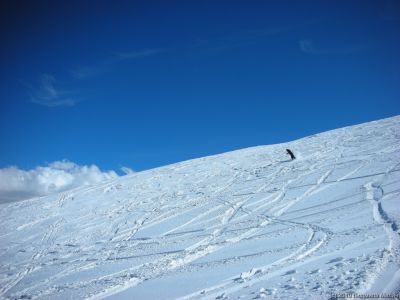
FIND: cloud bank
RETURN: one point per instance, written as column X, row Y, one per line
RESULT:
column 17, row 184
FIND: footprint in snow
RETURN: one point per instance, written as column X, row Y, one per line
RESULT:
column 246, row 275
column 317, row 287
column 337, row 259
column 289, row 286
column 290, row 272
column 339, row 265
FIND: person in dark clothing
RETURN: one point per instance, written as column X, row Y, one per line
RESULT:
column 291, row 154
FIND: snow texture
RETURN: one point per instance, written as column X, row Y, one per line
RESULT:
column 246, row 224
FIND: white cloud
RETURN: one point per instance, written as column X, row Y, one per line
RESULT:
column 17, row 184
column 309, row 47
column 88, row 72
column 138, row 54
column 48, row 95
column 127, row 170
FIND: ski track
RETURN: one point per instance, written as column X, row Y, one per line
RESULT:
column 375, row 194
column 271, row 227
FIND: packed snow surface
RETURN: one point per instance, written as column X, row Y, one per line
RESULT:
column 245, row 224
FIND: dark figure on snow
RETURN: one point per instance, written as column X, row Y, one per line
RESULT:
column 291, row 154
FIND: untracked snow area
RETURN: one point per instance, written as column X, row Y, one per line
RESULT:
column 245, row 224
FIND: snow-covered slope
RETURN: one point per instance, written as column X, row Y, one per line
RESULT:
column 248, row 223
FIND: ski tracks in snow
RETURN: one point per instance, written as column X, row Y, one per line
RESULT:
column 249, row 218
column 34, row 263
column 375, row 194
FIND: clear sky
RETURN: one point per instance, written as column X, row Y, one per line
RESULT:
column 147, row 83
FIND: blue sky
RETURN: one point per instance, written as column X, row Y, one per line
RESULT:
column 144, row 84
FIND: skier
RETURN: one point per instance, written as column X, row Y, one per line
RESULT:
column 291, row 154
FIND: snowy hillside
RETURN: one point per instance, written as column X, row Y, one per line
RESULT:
column 245, row 224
